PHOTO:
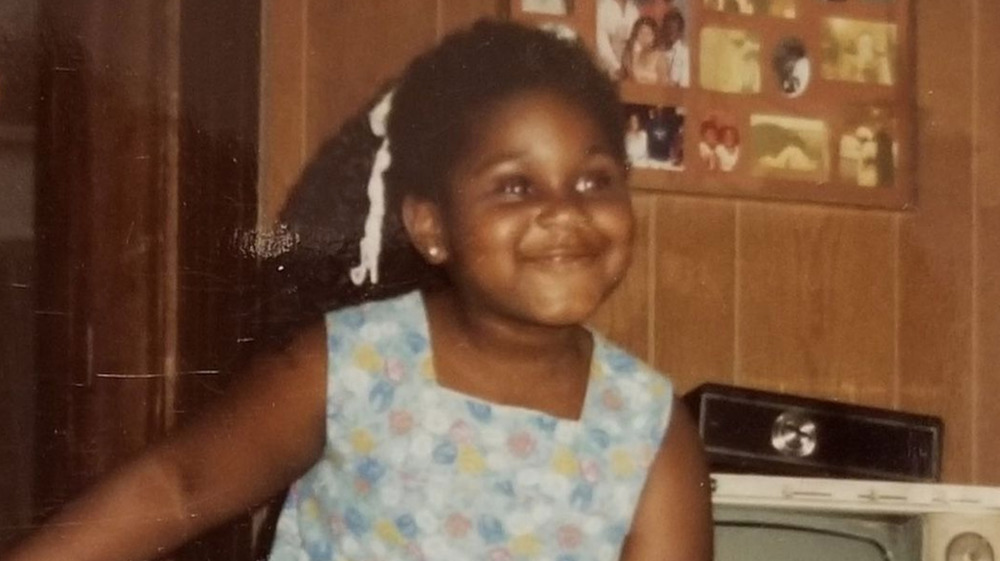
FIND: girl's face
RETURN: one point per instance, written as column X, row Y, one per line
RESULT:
column 646, row 36
column 538, row 224
column 671, row 31
column 729, row 137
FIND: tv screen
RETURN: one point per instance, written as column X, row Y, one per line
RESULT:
column 744, row 533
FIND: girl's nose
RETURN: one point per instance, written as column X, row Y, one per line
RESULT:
column 564, row 209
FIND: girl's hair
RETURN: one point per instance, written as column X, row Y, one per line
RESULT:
column 644, row 21
column 729, row 129
column 444, row 93
column 672, row 16
column 436, row 106
column 709, row 126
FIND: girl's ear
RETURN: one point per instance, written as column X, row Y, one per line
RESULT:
column 425, row 226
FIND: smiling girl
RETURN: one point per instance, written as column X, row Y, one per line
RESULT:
column 468, row 413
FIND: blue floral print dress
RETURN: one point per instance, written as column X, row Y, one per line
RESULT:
column 413, row 470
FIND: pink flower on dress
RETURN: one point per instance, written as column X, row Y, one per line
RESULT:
column 457, row 526
column 400, row 421
column 461, row 432
column 414, row 551
column 612, row 399
column 362, row 486
column 590, row 470
column 569, row 536
column 500, row 554
column 521, row 444
column 394, row 370
column 337, row 526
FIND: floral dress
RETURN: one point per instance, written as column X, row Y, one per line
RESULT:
column 414, row 470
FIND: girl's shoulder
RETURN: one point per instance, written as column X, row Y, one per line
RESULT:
column 405, row 308
column 620, row 367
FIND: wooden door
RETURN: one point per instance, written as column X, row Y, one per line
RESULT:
column 146, row 180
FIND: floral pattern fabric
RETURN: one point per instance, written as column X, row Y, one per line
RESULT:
column 413, row 470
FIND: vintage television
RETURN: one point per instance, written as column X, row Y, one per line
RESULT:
column 775, row 518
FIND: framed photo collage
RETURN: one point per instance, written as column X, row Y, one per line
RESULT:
column 806, row 100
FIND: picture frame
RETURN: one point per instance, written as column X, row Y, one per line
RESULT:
column 800, row 100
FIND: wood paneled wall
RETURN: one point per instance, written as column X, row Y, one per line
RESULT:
column 891, row 309
column 323, row 60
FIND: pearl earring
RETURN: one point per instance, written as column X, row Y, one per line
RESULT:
column 434, row 252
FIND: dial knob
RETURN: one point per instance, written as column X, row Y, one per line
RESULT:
column 794, row 434
column 969, row 546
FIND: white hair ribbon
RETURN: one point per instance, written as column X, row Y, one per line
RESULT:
column 371, row 243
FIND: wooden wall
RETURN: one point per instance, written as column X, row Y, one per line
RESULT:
column 892, row 309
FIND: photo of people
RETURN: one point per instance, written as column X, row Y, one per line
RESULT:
column 791, row 148
column 548, row 7
column 643, row 60
column 560, row 30
column 730, row 60
column 868, row 151
column 790, row 91
column 644, row 42
column 678, row 55
column 718, row 145
column 615, row 20
column 791, row 66
column 859, row 51
column 654, row 137
column 776, row 8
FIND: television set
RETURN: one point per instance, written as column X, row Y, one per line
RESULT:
column 773, row 518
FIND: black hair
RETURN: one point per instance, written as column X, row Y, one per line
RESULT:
column 435, row 106
column 673, row 15
column 444, row 91
column 644, row 21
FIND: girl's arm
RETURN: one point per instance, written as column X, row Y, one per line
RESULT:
column 239, row 453
column 673, row 521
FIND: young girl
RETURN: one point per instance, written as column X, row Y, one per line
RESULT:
column 474, row 418
column 643, row 61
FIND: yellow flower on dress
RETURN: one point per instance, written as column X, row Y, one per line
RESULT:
column 564, row 462
column 389, row 533
column 368, row 359
column 427, row 368
column 622, row 464
column 362, row 441
column 470, row 461
column 310, row 508
column 526, row 545
column 658, row 389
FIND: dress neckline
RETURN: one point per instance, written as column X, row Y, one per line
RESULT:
column 427, row 357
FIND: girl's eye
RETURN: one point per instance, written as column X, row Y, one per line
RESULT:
column 516, row 186
column 598, row 181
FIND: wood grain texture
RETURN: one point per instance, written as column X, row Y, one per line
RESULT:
column 625, row 316
column 17, row 385
column 816, row 294
column 935, row 338
column 354, row 48
column 282, row 89
column 986, row 170
column 694, row 279
column 455, row 14
column 104, row 183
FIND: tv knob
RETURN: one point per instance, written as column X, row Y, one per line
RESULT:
column 969, row 546
column 794, row 434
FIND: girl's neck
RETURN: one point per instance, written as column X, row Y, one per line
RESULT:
column 494, row 333
column 503, row 361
